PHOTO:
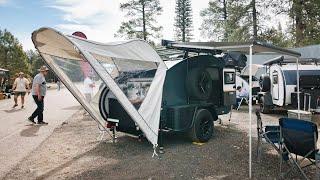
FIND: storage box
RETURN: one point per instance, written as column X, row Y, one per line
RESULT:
column 304, row 115
column 2, row 96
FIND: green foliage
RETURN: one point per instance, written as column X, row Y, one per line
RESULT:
column 276, row 37
column 12, row 56
column 183, row 20
column 306, row 15
column 304, row 27
column 36, row 61
column 226, row 20
column 142, row 22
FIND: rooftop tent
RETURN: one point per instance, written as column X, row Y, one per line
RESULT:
column 74, row 60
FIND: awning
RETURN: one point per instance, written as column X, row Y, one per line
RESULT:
column 77, row 62
column 257, row 47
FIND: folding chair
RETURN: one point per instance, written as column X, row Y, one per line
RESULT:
column 270, row 133
column 299, row 138
column 243, row 98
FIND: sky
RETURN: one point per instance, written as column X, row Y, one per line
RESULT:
column 98, row 19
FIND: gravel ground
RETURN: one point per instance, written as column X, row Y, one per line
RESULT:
column 73, row 152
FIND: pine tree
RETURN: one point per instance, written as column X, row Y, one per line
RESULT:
column 226, row 20
column 142, row 22
column 304, row 16
column 183, row 20
column 276, row 37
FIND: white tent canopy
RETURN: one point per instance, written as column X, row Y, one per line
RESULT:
column 107, row 62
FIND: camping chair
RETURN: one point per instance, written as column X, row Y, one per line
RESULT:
column 299, row 138
column 270, row 133
column 243, row 98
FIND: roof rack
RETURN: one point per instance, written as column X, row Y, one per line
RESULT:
column 281, row 60
column 189, row 48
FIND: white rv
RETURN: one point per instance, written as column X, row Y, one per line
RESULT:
column 279, row 84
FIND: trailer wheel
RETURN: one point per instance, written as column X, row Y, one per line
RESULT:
column 202, row 128
column 265, row 83
column 263, row 107
column 199, row 84
column 102, row 101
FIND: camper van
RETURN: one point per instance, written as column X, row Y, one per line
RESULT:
column 279, row 85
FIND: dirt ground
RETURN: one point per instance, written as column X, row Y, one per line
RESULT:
column 73, row 152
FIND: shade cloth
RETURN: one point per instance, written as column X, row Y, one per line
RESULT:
column 108, row 62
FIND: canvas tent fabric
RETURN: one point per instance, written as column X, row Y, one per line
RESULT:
column 107, row 61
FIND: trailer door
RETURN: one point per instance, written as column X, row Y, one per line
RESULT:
column 229, row 83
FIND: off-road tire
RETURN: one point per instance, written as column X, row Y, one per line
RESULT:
column 203, row 126
column 263, row 107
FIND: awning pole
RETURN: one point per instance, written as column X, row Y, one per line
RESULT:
column 250, row 111
column 298, row 86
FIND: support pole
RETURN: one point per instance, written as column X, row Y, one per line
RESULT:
column 298, row 86
column 250, row 111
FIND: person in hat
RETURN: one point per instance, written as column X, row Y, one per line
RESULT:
column 20, row 88
column 39, row 89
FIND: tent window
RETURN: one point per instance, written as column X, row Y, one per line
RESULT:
column 133, row 77
column 82, row 77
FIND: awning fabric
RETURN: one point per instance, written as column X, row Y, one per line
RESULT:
column 257, row 47
column 51, row 44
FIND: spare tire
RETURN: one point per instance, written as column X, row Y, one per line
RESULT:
column 265, row 83
column 199, row 84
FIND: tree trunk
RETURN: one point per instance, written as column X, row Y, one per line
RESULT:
column 254, row 20
column 184, row 22
column 297, row 10
column 144, row 23
column 225, row 17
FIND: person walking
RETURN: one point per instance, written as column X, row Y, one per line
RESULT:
column 39, row 89
column 88, row 88
column 20, row 88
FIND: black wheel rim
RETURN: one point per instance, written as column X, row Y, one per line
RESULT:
column 205, row 128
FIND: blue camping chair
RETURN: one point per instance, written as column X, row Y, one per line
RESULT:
column 269, row 133
column 298, row 138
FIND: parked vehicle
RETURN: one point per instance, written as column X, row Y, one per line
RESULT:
column 279, row 85
column 196, row 90
column 133, row 91
column 257, row 71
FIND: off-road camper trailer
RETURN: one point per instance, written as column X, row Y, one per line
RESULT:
column 279, row 84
